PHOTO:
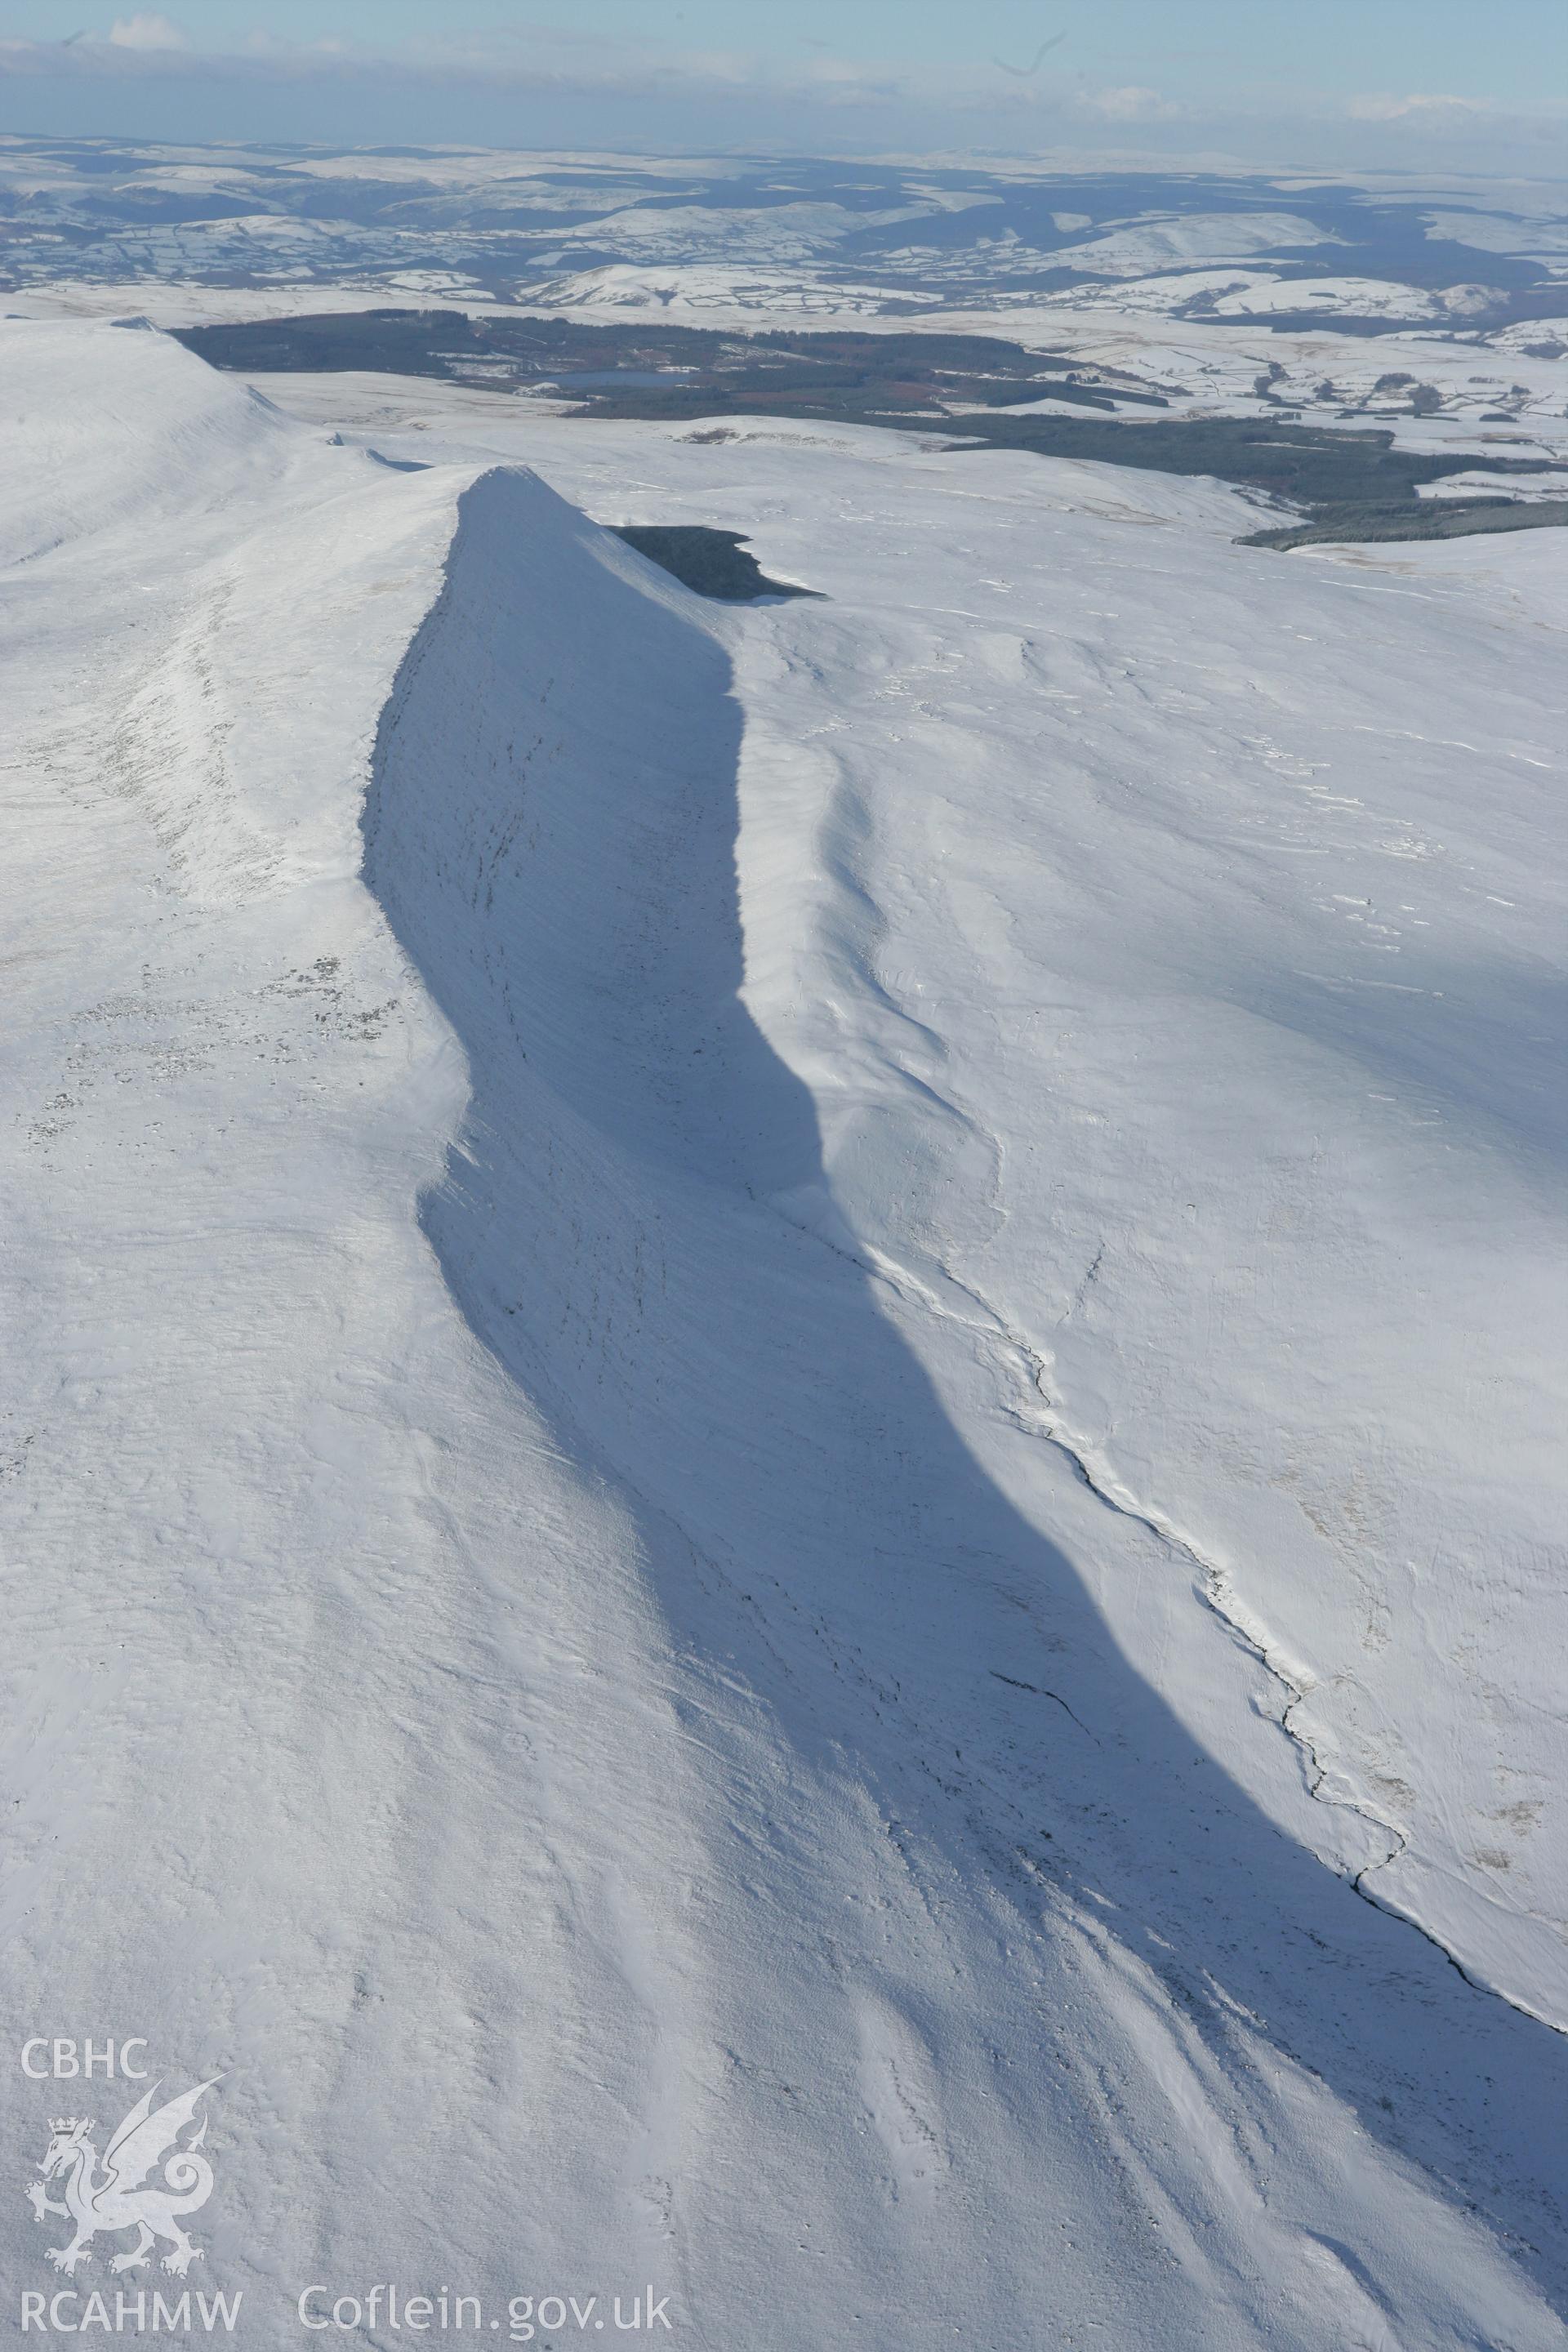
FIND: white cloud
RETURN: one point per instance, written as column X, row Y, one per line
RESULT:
column 1131, row 104
column 1417, row 108
column 145, row 30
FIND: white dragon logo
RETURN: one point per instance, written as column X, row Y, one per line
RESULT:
column 118, row 2201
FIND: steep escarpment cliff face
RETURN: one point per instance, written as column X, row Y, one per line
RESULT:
column 636, row 1219
column 582, row 1686
column 554, row 808
column 552, row 826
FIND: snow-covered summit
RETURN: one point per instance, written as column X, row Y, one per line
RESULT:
column 588, row 1626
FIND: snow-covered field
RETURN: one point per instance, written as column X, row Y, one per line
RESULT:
column 780, row 1490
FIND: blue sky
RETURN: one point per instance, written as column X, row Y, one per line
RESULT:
column 1396, row 83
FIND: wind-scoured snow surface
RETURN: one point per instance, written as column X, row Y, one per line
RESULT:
column 778, row 1457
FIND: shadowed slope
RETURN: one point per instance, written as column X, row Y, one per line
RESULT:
column 1136, row 1998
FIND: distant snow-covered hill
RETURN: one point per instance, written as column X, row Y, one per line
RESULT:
column 878, row 235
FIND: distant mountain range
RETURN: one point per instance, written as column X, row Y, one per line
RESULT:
column 880, row 236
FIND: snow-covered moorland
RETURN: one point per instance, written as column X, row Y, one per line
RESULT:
column 780, row 1491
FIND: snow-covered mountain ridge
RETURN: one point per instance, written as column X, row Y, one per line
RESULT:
column 528, row 1376
column 777, row 233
